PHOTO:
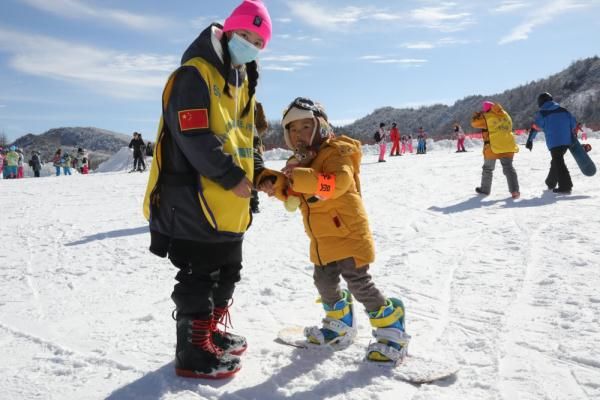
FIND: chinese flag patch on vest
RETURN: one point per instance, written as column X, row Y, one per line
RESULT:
column 196, row 118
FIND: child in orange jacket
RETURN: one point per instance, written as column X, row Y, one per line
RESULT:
column 327, row 184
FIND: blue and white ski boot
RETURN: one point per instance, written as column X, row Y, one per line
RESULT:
column 392, row 341
column 339, row 325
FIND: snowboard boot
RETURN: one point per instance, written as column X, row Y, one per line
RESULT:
column 339, row 324
column 226, row 341
column 196, row 356
column 481, row 191
column 562, row 190
column 392, row 340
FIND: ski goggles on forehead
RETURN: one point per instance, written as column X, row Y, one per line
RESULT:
column 303, row 104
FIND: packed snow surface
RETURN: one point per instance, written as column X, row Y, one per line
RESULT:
column 507, row 289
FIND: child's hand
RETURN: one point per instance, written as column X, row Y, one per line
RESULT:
column 243, row 189
column 273, row 183
column 267, row 187
column 288, row 170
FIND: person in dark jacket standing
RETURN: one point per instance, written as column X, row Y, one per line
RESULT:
column 198, row 194
column 138, row 146
column 558, row 126
column 35, row 163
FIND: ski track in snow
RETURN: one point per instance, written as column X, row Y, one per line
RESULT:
column 507, row 289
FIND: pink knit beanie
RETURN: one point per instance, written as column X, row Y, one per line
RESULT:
column 253, row 16
column 487, row 106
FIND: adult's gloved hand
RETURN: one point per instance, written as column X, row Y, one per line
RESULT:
column 529, row 145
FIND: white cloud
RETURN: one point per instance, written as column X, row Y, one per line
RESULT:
column 387, row 60
column 441, row 17
column 541, row 16
column 419, row 46
column 283, row 20
column 448, row 41
column 203, row 21
column 278, row 68
column 78, row 10
column 327, row 19
column 311, row 38
column 510, row 6
column 291, row 62
column 443, row 42
column 286, row 58
column 407, row 61
column 113, row 73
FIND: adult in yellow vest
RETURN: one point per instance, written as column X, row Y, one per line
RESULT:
column 498, row 144
column 202, row 173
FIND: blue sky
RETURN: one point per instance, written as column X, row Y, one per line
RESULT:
column 104, row 63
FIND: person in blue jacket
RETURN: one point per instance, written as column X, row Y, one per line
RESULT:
column 558, row 126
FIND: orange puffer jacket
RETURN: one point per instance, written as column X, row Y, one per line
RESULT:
column 336, row 223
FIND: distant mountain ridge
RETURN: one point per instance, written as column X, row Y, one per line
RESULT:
column 577, row 88
column 99, row 143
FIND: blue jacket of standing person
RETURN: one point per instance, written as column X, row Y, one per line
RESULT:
column 556, row 123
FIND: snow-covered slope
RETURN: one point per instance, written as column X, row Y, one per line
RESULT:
column 122, row 160
column 507, row 288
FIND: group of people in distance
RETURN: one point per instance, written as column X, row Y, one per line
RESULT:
column 12, row 162
column 559, row 127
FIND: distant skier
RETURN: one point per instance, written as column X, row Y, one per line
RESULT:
column 337, row 224
column 421, row 141
column 2, row 160
column 498, row 144
column 137, row 144
column 12, row 162
column 581, row 128
column 558, row 126
column 380, row 138
column 35, row 163
column 395, row 138
column 460, row 138
column 82, row 161
column 20, row 164
column 57, row 160
column 66, row 163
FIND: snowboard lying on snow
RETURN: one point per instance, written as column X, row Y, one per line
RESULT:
column 414, row 368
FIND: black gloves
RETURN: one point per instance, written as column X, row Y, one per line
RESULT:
column 530, row 138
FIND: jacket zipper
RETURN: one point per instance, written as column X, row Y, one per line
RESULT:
column 311, row 231
column 236, row 96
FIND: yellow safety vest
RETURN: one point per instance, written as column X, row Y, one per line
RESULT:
column 499, row 126
column 225, row 211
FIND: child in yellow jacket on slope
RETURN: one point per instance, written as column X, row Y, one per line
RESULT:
column 324, row 176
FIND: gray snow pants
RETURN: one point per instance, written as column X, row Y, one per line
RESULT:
column 509, row 172
column 327, row 280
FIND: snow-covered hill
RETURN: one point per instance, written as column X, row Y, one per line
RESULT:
column 509, row 289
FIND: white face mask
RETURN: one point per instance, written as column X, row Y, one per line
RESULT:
column 241, row 50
